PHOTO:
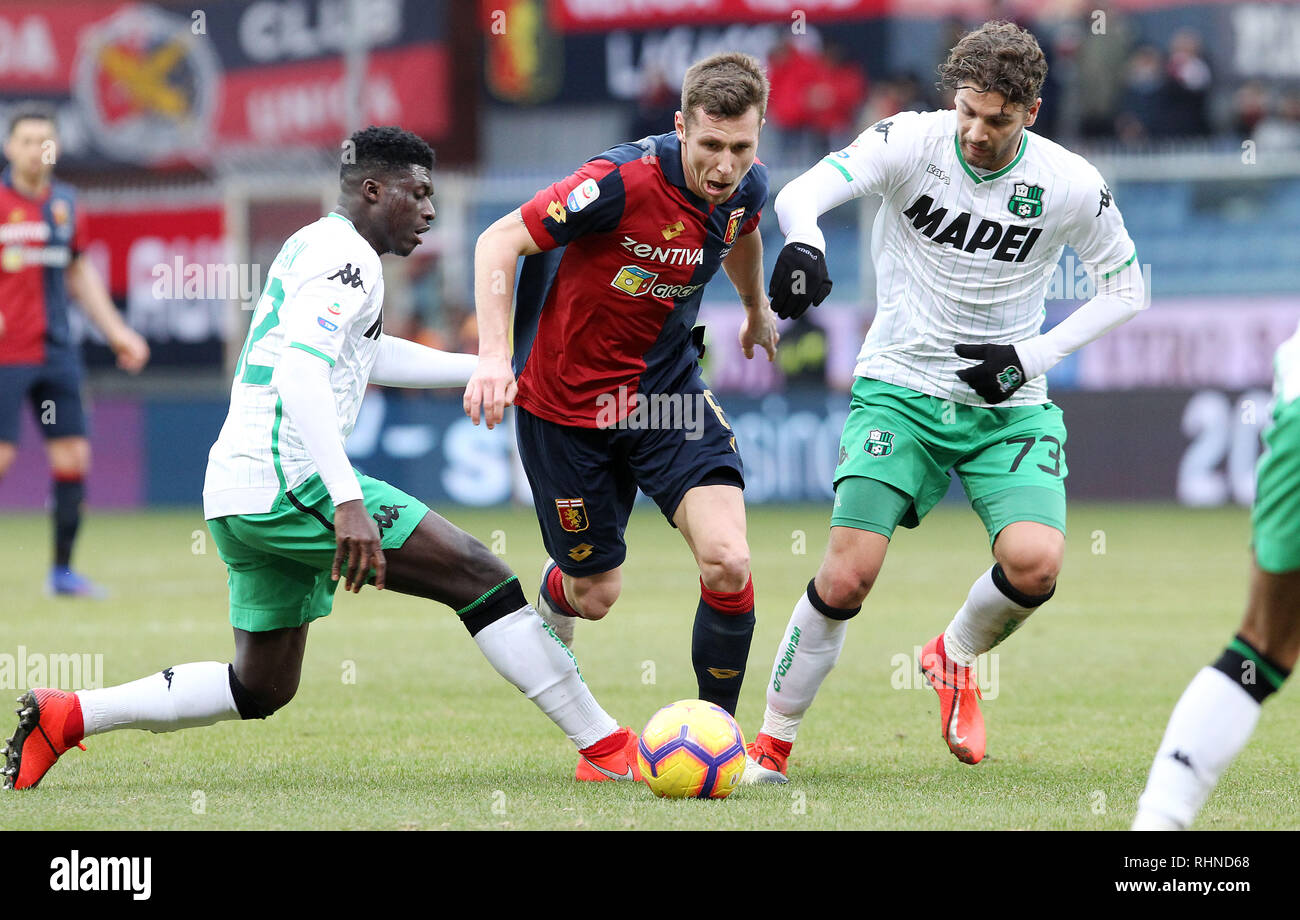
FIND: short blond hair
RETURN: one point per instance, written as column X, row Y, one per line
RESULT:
column 725, row 85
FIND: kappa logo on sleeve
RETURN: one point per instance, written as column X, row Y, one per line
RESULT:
column 348, row 277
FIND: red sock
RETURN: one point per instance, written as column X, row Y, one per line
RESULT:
column 74, row 727
column 730, row 602
column 610, row 744
column 555, row 588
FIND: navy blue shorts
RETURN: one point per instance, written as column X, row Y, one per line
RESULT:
column 584, row 480
column 54, row 391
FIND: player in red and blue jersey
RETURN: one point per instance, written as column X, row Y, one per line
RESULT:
column 42, row 267
column 605, row 375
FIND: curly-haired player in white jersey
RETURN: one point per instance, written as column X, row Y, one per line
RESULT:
column 291, row 517
column 975, row 212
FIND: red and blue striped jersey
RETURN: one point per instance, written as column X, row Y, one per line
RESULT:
column 39, row 238
column 611, row 300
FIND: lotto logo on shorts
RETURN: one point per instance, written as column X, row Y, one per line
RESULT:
column 573, row 514
column 879, row 443
column 634, row 280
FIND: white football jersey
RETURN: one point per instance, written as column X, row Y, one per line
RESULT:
column 1286, row 370
column 325, row 295
column 965, row 255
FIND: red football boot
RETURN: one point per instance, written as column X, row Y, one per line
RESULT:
column 42, row 735
column 960, row 718
column 767, row 760
column 617, row 764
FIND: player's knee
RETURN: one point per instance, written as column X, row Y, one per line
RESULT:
column 725, row 567
column 593, row 598
column 1032, row 570
column 846, row 586
column 257, row 698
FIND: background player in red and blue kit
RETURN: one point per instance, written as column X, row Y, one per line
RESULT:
column 617, row 256
column 41, row 269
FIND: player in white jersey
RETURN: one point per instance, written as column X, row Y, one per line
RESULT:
column 975, row 211
column 290, row 516
column 1218, row 711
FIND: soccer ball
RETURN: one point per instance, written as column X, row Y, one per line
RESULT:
column 691, row 749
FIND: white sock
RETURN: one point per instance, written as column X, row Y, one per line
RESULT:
column 526, row 653
column 1210, row 725
column 184, row 696
column 807, row 652
column 987, row 617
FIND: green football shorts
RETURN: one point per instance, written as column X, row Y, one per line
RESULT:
column 1275, row 518
column 279, row 564
column 899, row 445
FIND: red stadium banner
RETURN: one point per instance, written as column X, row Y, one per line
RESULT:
column 142, row 84
column 168, row 267
column 596, row 15
column 600, row 15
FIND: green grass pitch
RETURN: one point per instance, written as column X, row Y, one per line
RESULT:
column 400, row 723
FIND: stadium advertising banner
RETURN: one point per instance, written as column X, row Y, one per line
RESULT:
column 168, row 267
column 597, row 15
column 581, row 51
column 1195, row 446
column 139, row 84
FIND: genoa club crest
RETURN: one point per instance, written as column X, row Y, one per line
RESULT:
column 733, row 226
column 573, row 514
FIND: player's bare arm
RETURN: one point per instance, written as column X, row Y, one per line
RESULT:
column 744, row 266
column 499, row 248
column 85, row 285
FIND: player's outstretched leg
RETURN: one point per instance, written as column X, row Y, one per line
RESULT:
column 814, row 637
column 443, row 563
column 1218, row 711
column 1029, row 558
column 183, row 696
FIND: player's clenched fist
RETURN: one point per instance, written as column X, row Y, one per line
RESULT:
column 999, row 374
column 490, row 389
column 799, row 280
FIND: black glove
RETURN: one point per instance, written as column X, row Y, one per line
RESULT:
column 998, row 376
column 799, row 280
